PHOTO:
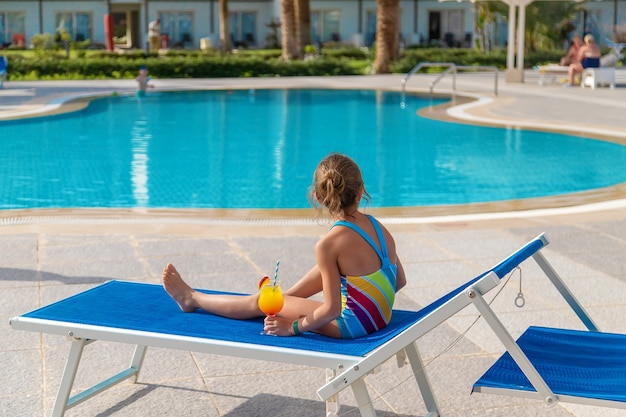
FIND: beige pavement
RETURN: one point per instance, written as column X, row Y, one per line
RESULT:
column 51, row 254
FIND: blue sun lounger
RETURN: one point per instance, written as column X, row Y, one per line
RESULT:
column 143, row 315
column 553, row 364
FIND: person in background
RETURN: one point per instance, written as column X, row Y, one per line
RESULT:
column 142, row 81
column 572, row 53
column 588, row 57
column 154, row 34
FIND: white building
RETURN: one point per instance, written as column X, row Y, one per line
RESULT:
column 186, row 22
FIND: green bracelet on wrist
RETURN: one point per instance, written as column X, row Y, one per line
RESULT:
column 294, row 325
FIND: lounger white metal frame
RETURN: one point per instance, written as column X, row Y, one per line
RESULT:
column 550, row 72
column 343, row 370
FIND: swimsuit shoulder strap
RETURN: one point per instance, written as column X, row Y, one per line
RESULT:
column 382, row 252
column 380, row 235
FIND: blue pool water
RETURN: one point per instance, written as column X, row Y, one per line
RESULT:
column 245, row 149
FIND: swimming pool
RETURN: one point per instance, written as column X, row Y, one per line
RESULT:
column 258, row 149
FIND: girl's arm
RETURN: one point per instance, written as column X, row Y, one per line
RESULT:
column 330, row 309
column 307, row 286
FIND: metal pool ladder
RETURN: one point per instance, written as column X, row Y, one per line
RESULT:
column 451, row 68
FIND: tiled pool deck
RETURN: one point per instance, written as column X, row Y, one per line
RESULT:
column 48, row 255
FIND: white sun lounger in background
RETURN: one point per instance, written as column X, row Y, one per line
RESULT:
column 143, row 315
column 551, row 72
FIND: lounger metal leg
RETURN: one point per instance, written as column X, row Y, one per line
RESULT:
column 67, row 381
column 422, row 380
column 544, row 392
column 363, row 399
column 542, row 79
column 565, row 291
column 137, row 361
column 65, row 402
column 332, row 404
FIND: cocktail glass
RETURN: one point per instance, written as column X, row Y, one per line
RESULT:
column 271, row 299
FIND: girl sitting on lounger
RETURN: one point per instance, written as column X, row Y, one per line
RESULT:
column 357, row 271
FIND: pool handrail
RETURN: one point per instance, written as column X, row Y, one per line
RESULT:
column 451, row 68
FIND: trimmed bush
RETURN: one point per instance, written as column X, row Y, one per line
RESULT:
column 244, row 63
column 108, row 66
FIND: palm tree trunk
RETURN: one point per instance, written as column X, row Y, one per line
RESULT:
column 224, row 27
column 386, row 35
column 289, row 42
column 303, row 26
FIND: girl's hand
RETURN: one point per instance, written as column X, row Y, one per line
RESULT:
column 277, row 326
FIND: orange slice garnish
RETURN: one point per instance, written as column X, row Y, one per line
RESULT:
column 264, row 281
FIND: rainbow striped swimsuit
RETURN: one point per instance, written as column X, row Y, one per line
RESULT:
column 367, row 300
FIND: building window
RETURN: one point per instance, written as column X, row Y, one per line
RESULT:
column 12, row 28
column 446, row 27
column 77, row 24
column 120, row 28
column 325, row 26
column 370, row 27
column 243, row 29
column 178, row 28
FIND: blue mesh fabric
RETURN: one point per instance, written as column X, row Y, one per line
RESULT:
column 572, row 362
column 147, row 307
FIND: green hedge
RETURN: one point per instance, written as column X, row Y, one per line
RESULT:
column 462, row 56
column 191, row 66
column 243, row 63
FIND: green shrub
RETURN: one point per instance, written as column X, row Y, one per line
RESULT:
column 53, row 64
column 106, row 66
column 469, row 57
column 345, row 52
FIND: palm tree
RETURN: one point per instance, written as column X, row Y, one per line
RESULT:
column 303, row 25
column 289, row 41
column 548, row 24
column 486, row 12
column 224, row 26
column 386, row 35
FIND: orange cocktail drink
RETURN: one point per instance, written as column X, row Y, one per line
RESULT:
column 271, row 299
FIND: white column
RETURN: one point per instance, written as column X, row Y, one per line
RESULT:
column 521, row 32
column 510, row 49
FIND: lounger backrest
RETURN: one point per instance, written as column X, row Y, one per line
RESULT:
column 610, row 60
column 501, row 269
column 445, row 307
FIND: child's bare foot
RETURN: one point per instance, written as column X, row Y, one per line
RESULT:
column 178, row 289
